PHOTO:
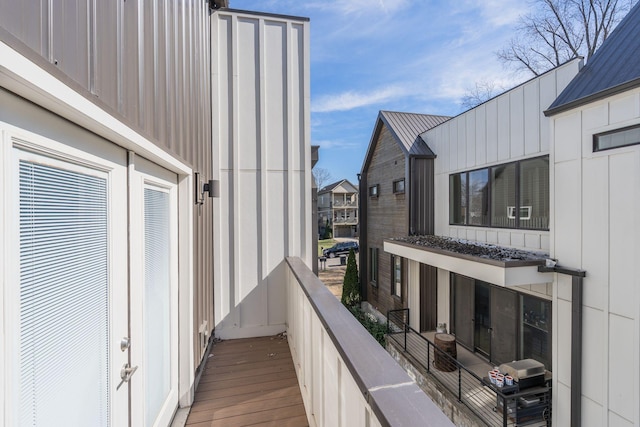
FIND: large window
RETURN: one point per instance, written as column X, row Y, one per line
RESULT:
column 396, row 276
column 373, row 266
column 513, row 195
column 536, row 330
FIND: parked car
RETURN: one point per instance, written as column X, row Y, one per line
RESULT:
column 341, row 248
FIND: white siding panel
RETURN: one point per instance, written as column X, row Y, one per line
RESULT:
column 297, row 98
column 481, row 134
column 470, row 133
column 622, row 392
column 593, row 118
column 449, row 139
column 567, row 137
column 594, row 354
column 568, row 210
column 625, row 108
column 517, row 240
column 591, row 413
column 516, row 110
column 504, row 133
column 532, row 241
column 276, row 232
column 618, row 421
column 562, row 413
column 547, row 96
column 532, row 117
column 492, row 131
column 562, row 369
column 595, row 232
column 275, row 104
column 248, row 93
column 623, row 194
column 459, row 130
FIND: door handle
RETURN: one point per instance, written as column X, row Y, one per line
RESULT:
column 126, row 373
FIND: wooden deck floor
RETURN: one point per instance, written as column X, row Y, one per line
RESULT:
column 249, row 382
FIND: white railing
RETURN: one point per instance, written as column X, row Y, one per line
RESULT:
column 346, row 377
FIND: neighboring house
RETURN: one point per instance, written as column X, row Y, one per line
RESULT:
column 595, row 182
column 338, row 209
column 397, row 166
column 118, row 122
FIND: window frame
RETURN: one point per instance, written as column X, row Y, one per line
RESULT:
column 395, row 186
column 611, row 132
column 373, row 267
column 517, row 209
column 374, row 190
column 397, row 282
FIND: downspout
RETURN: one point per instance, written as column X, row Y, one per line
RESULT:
column 576, row 337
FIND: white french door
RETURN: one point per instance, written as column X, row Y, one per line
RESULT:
column 154, row 293
column 65, row 287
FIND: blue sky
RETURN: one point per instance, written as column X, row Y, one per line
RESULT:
column 418, row 56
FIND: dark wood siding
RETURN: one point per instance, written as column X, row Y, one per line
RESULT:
column 145, row 62
column 421, row 189
column 387, row 216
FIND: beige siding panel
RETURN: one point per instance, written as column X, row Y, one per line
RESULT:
column 275, row 54
column 29, row 22
column 248, row 92
column 105, row 53
column 70, row 39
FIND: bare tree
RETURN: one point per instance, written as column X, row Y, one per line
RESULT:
column 483, row 91
column 559, row 30
column 322, row 176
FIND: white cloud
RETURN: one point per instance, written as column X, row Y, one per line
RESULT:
column 351, row 99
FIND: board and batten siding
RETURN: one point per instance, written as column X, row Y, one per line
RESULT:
column 262, row 157
column 387, row 216
column 596, row 228
column 507, row 128
column 146, row 63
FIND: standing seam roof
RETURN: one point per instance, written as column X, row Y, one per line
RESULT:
column 407, row 128
column 615, row 66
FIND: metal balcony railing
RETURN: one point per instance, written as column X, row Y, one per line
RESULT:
column 345, row 376
column 478, row 394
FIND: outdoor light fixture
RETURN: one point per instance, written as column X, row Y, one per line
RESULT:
column 211, row 187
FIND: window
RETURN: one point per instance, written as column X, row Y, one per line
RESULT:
column 396, row 276
column 513, row 195
column 479, row 197
column 398, row 186
column 535, row 342
column 373, row 266
column 374, row 190
column 458, row 198
column 617, row 138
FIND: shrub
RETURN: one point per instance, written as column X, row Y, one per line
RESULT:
column 350, row 285
column 371, row 324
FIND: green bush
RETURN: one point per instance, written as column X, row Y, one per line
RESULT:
column 371, row 324
column 350, row 285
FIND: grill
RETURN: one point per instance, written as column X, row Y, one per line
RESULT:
column 527, row 372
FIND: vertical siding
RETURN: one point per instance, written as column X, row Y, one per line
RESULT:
column 507, row 128
column 593, row 195
column 387, row 216
column 147, row 62
column 262, row 155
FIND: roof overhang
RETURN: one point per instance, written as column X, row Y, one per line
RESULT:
column 497, row 272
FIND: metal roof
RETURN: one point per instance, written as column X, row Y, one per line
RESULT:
column 407, row 127
column 614, row 68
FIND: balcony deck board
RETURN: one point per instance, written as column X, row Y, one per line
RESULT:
column 249, row 382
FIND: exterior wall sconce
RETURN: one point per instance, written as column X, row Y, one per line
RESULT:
column 211, row 187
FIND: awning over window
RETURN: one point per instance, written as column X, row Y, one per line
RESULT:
column 499, row 265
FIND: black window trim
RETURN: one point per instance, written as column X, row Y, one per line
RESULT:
column 395, row 191
column 609, row 132
column 490, row 183
column 393, row 277
column 374, row 190
column 373, row 252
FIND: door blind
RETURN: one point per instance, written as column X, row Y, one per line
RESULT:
column 64, row 305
